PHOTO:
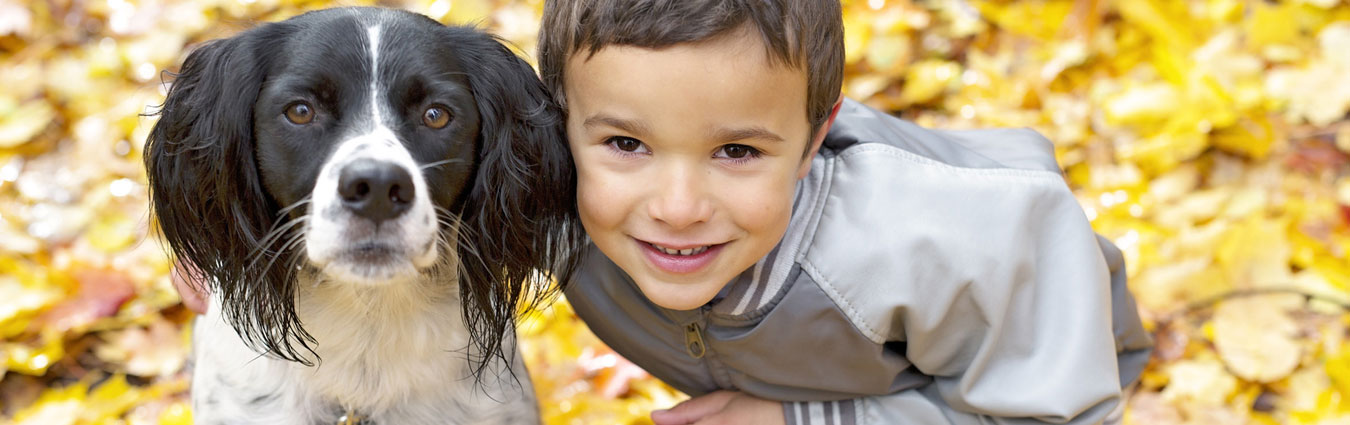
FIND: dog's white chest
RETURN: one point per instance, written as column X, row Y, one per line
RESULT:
column 379, row 346
column 393, row 360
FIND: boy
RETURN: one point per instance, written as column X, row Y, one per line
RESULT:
column 759, row 233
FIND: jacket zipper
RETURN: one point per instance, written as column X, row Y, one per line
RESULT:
column 693, row 340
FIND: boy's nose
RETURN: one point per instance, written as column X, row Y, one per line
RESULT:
column 681, row 201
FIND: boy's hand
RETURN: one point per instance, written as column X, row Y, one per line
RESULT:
column 721, row 407
column 192, row 292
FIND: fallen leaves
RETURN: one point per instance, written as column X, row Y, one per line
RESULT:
column 1208, row 138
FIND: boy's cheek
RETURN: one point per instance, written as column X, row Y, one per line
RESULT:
column 602, row 204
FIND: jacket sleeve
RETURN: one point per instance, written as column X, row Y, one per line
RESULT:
column 1047, row 356
column 922, row 406
column 1009, row 309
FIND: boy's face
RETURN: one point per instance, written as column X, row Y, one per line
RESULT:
column 687, row 159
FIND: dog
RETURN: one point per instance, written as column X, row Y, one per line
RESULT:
column 371, row 197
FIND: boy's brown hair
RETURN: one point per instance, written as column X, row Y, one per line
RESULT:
column 798, row 33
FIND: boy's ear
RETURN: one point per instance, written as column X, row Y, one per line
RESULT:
column 819, row 138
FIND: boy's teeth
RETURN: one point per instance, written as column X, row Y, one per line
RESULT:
column 689, row 251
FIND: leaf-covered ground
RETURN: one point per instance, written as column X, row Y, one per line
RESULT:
column 1207, row 138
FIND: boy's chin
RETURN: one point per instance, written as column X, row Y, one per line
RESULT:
column 678, row 296
column 680, row 305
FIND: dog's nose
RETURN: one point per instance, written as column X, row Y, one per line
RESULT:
column 376, row 190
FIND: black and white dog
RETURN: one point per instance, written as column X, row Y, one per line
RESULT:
column 372, row 197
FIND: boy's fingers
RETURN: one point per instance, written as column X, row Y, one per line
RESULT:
column 191, row 291
column 693, row 410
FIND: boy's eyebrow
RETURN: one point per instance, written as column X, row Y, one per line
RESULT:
column 724, row 135
column 629, row 126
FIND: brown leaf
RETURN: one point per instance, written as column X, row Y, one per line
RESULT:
column 100, row 294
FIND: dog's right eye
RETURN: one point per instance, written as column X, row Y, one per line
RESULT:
column 436, row 117
column 300, row 113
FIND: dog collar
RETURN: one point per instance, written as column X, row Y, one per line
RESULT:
column 351, row 417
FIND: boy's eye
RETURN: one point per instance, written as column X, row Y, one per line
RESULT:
column 626, row 144
column 738, row 152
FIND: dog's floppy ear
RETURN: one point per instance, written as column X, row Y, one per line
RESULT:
column 207, row 196
column 520, row 216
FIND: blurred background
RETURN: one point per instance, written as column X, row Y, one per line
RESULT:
column 1207, row 138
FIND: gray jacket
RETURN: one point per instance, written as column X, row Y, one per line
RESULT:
column 926, row 277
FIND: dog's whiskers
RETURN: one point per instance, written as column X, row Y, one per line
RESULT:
column 446, row 218
column 297, row 204
column 278, row 230
column 272, row 237
column 447, row 238
column 442, row 162
column 294, row 241
column 298, row 238
column 281, row 225
column 452, row 74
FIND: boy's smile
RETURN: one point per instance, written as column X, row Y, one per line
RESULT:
column 687, row 159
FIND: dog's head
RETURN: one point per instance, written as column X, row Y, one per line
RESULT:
column 366, row 146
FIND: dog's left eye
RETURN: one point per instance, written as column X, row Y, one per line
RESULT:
column 300, row 113
column 436, row 117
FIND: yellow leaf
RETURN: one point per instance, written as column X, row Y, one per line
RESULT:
column 1169, row 63
column 1160, row 20
column 1040, row 19
column 1255, row 337
column 857, row 32
column 889, row 54
column 1174, row 184
column 1262, row 418
column 22, row 302
column 56, row 406
column 468, row 11
column 1142, row 105
column 1338, row 369
column 176, row 414
column 1203, row 382
column 24, row 122
column 1255, row 253
column 1334, row 271
column 34, row 360
column 1163, row 287
column 112, row 232
column 1300, row 392
column 1163, row 152
column 110, row 399
column 928, row 79
column 1343, row 189
column 1272, row 24
column 1305, row 249
column 1253, row 137
column 1224, row 10
column 1247, row 202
